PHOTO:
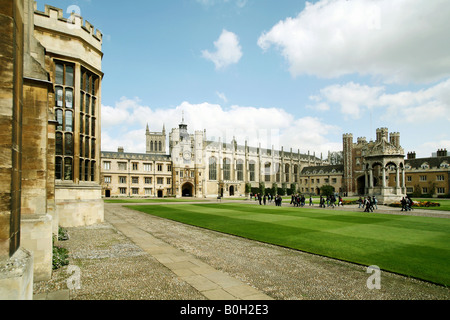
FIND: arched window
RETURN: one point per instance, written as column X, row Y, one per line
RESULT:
column 58, row 168
column 68, row 148
column 286, row 172
column 87, row 105
column 59, row 119
column 86, row 170
column 64, row 110
column 68, row 172
column 59, row 144
column 151, row 146
column 160, row 146
column 267, row 172
column 277, row 170
column 212, row 168
column 93, row 148
column 251, row 169
column 89, row 84
column 226, row 169
column 92, row 170
column 69, row 121
column 69, row 98
column 240, row 170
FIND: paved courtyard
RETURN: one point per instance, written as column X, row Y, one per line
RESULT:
column 134, row 256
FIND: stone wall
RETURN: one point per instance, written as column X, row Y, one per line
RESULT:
column 79, row 205
column 16, row 264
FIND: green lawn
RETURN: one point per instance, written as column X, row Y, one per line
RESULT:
column 152, row 200
column 409, row 245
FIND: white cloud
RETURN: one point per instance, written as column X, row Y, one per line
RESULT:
column 405, row 106
column 125, row 126
column 351, row 97
column 208, row 3
column 396, row 41
column 426, row 149
column 222, row 96
column 228, row 50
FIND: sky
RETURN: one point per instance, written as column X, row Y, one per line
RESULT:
column 288, row 74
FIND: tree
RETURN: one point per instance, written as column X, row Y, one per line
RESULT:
column 326, row 190
column 292, row 190
column 262, row 188
column 248, row 188
column 283, row 190
column 274, row 188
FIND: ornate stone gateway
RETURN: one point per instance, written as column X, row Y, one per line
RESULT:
column 188, row 190
column 380, row 157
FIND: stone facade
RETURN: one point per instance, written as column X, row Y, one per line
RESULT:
column 155, row 141
column 203, row 168
column 196, row 167
column 136, row 175
column 366, row 166
column 313, row 178
column 73, row 60
column 12, row 284
column 49, row 168
column 427, row 176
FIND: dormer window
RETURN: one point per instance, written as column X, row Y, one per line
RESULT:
column 425, row 166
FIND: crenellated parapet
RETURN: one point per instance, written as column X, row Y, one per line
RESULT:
column 53, row 18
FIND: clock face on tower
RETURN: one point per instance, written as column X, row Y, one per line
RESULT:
column 187, row 155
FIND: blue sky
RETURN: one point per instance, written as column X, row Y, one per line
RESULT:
column 285, row 73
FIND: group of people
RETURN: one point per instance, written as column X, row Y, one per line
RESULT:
column 368, row 203
column 330, row 200
column 300, row 200
column 406, row 203
column 263, row 199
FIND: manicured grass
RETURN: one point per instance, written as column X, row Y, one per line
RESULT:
column 414, row 246
column 153, row 200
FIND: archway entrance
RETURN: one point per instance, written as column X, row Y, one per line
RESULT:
column 187, row 190
column 231, row 190
column 361, row 185
column 107, row 193
column 160, row 193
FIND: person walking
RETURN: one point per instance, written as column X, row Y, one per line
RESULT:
column 332, row 201
column 409, row 203
column 265, row 199
column 360, row 201
column 403, row 203
column 368, row 205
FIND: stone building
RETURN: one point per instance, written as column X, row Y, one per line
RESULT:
column 427, row 176
column 313, row 178
column 73, row 60
column 44, row 60
column 379, row 168
column 366, row 166
column 136, row 174
column 203, row 169
column 155, row 141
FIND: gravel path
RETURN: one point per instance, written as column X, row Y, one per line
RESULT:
column 113, row 267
